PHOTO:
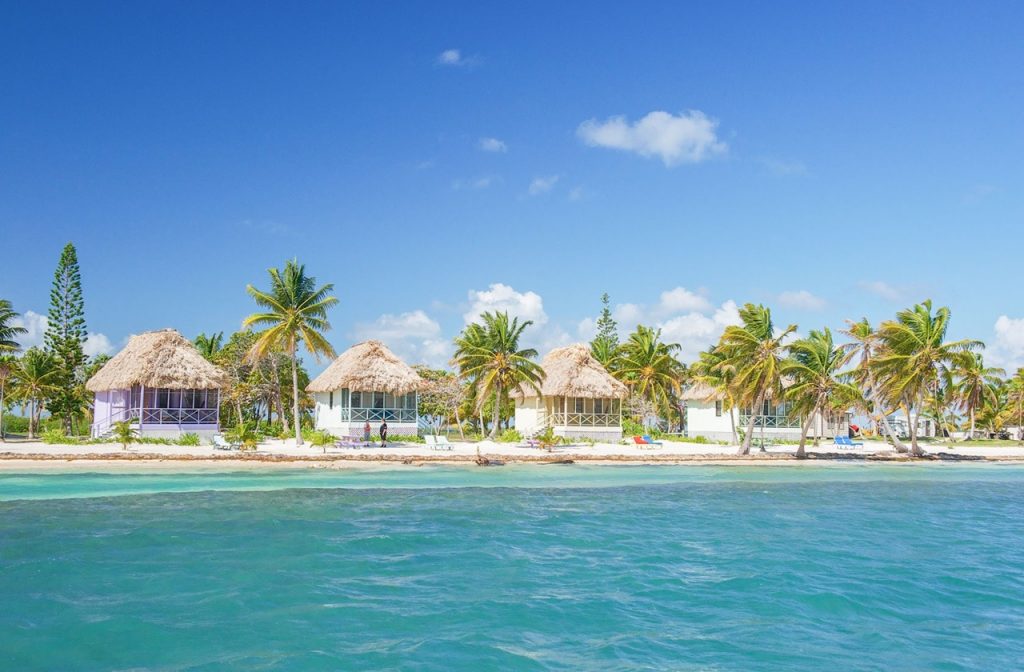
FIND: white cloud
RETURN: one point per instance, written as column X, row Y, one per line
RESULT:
column 542, row 185
column 1007, row 350
column 482, row 182
column 502, row 298
column 695, row 331
column 414, row 336
column 684, row 317
column 492, row 145
column 801, row 300
column 689, row 137
column 587, row 328
column 97, row 344
column 883, row 289
column 451, row 57
column 576, row 194
column 454, row 58
column 35, row 324
column 681, row 299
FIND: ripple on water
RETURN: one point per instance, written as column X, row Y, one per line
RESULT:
column 744, row 572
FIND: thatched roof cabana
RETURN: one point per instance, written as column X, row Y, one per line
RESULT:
column 368, row 367
column 701, row 392
column 573, row 372
column 158, row 359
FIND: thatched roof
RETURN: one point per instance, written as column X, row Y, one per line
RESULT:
column 701, row 392
column 162, row 358
column 704, row 392
column 367, row 367
column 573, row 372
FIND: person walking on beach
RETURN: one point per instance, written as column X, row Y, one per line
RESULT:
column 384, row 434
column 366, row 433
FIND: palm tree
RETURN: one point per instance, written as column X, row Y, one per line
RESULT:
column 649, row 368
column 296, row 315
column 814, row 366
column 124, row 433
column 913, row 358
column 7, row 368
column 757, row 354
column 35, row 379
column 1015, row 402
column 976, row 384
column 863, row 347
column 9, row 332
column 712, row 370
column 606, row 352
column 209, row 346
column 489, row 356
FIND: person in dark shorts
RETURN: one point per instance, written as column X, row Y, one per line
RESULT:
column 384, row 434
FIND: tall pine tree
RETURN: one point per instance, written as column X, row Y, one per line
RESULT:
column 605, row 346
column 65, row 337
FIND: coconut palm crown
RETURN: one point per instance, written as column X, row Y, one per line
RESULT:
column 489, row 356
column 757, row 354
column 296, row 314
column 914, row 357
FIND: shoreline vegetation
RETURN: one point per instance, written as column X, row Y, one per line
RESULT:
column 902, row 377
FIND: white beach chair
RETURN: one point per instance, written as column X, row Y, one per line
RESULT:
column 444, row 444
column 429, row 440
column 220, row 443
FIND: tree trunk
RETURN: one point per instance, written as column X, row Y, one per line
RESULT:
column 496, row 416
column 873, row 398
column 800, row 452
column 915, row 450
column 295, row 398
column 279, row 405
column 755, row 413
column 462, row 432
column 732, row 422
column 2, row 385
column 970, row 435
column 32, row 419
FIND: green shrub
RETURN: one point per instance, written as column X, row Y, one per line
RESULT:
column 188, row 439
column 510, row 436
column 57, row 436
column 15, row 424
column 398, row 438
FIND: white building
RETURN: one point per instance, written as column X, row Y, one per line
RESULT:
column 579, row 398
column 366, row 383
column 708, row 414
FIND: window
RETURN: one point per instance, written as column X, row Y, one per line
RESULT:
column 330, row 400
column 599, row 406
column 357, row 399
column 378, row 400
column 579, row 405
column 718, row 409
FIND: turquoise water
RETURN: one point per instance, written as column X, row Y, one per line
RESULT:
column 531, row 568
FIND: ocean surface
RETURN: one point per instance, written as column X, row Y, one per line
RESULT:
column 517, row 568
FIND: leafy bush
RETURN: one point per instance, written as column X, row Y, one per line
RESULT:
column 57, row 436
column 321, row 439
column 15, row 424
column 399, row 438
column 631, row 427
column 188, row 439
column 510, row 436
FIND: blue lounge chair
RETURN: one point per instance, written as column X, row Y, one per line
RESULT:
column 649, row 440
column 847, row 442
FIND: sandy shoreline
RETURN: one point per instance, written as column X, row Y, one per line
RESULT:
column 37, row 456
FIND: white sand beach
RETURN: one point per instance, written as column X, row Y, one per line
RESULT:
column 29, row 454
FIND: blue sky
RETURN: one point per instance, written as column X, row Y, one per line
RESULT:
column 434, row 160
